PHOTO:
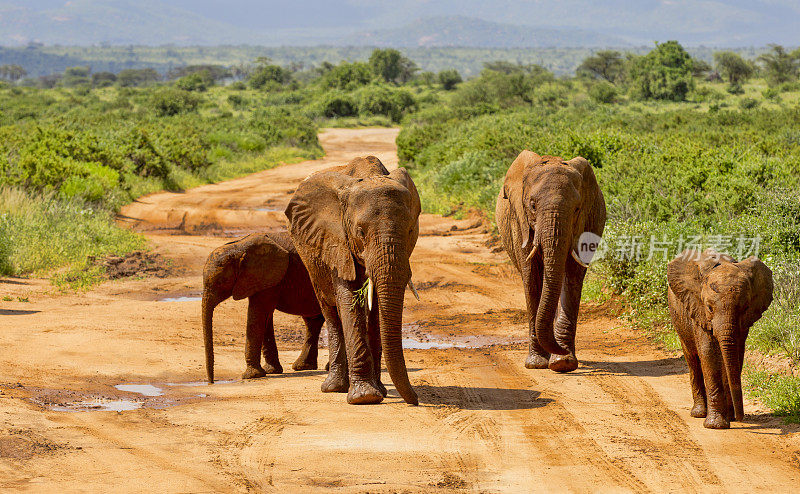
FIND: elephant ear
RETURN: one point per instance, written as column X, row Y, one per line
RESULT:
column 761, row 285
column 262, row 265
column 685, row 281
column 315, row 219
column 592, row 199
column 512, row 190
column 401, row 175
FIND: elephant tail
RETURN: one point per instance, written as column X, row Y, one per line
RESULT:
column 208, row 333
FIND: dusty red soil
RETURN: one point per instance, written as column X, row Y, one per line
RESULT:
column 620, row 423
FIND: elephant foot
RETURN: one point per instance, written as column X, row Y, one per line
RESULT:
column 536, row 361
column 716, row 420
column 304, row 364
column 698, row 410
column 382, row 389
column 253, row 372
column 563, row 363
column 364, row 393
column 335, row 384
column 273, row 368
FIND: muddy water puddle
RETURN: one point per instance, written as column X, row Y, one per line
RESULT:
column 193, row 296
column 132, row 397
column 415, row 337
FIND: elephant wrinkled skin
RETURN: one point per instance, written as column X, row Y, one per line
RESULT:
column 351, row 224
column 266, row 269
column 544, row 207
column 713, row 302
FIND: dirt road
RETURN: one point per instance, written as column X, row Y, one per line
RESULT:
column 620, row 423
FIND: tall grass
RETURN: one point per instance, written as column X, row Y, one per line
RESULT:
column 41, row 231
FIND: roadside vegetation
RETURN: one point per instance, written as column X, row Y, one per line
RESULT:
column 689, row 152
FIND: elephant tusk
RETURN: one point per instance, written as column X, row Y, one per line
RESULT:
column 533, row 253
column 413, row 289
column 369, row 294
column 578, row 259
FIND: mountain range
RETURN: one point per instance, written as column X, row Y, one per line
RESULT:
column 476, row 23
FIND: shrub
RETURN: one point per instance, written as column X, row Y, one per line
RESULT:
column 171, row 101
column 449, row 79
column 603, row 92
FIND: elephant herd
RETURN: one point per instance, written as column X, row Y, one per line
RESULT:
column 345, row 261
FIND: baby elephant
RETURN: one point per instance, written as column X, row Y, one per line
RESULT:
column 713, row 301
column 266, row 269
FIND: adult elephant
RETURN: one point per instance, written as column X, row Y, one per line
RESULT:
column 545, row 206
column 355, row 228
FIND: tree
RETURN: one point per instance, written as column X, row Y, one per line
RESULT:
column 348, row 75
column 137, row 77
column 76, row 76
column 449, row 79
column 12, row 72
column 733, row 67
column 664, row 73
column 103, row 79
column 606, row 64
column 391, row 65
column 779, row 66
column 269, row 75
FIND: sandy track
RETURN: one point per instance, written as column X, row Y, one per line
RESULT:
column 620, row 423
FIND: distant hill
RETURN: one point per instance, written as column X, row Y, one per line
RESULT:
column 469, row 31
column 478, row 23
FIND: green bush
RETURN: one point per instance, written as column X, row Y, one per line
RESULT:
column 171, row 101
column 603, row 92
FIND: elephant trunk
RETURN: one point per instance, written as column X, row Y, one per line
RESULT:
column 730, row 360
column 208, row 333
column 391, row 274
column 555, row 244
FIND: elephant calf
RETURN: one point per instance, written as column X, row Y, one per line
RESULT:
column 713, row 301
column 266, row 269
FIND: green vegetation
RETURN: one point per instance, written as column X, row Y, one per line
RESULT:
column 687, row 153
column 681, row 161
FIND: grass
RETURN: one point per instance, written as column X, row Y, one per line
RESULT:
column 780, row 393
column 41, row 232
column 45, row 234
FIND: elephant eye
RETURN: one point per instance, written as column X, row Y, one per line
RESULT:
column 360, row 232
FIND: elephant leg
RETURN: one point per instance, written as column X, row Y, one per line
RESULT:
column 337, row 380
column 272, row 365
column 374, row 334
column 711, row 366
column 361, row 370
column 308, row 355
column 567, row 322
column 538, row 357
column 254, row 338
column 696, row 380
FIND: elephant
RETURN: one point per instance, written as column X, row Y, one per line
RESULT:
column 355, row 228
column 266, row 269
column 543, row 210
column 713, row 302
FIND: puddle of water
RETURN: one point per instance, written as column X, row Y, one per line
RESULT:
column 199, row 383
column 142, row 389
column 414, row 344
column 180, row 299
column 99, row 405
column 269, row 210
column 416, row 338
